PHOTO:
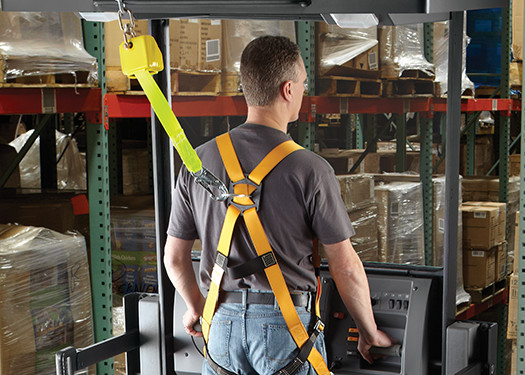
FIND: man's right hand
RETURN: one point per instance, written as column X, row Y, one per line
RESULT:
column 380, row 339
column 191, row 321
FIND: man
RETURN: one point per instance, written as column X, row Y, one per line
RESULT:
column 300, row 201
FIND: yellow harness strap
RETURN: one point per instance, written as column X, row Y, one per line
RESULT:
column 260, row 241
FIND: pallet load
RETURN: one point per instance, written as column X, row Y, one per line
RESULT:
column 484, row 247
column 45, row 298
column 441, row 31
column 347, row 63
column 236, row 34
column 44, row 48
column 357, row 192
column 438, row 240
column 404, row 69
column 400, row 223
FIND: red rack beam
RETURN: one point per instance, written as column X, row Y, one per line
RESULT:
column 49, row 100
column 129, row 106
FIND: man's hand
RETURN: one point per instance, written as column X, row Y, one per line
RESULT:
column 381, row 339
column 190, row 321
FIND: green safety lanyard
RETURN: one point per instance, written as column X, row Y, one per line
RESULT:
column 140, row 58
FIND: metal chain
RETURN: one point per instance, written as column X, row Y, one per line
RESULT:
column 127, row 28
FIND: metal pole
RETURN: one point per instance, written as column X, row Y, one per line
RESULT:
column 452, row 176
column 164, row 183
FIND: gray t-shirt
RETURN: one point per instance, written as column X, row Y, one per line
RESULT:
column 300, row 200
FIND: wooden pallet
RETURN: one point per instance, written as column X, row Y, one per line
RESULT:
column 349, row 86
column 78, row 80
column 408, row 73
column 481, row 295
column 409, row 88
column 230, row 84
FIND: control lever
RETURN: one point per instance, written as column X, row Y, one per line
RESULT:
column 390, row 351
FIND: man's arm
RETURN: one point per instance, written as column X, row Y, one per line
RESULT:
column 178, row 263
column 349, row 275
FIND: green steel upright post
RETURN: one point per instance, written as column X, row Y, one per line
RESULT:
column 401, row 140
column 98, row 191
column 427, row 186
column 306, row 42
column 371, row 131
column 428, row 30
column 504, row 137
column 471, row 144
column 346, row 124
column 359, row 131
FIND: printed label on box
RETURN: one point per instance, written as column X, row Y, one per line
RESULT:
column 394, row 208
column 480, row 215
column 372, row 61
column 478, row 254
column 213, row 50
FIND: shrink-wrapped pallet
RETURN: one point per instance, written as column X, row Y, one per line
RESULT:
column 401, row 49
column 42, row 43
column 400, row 223
column 45, row 298
column 346, row 51
column 364, row 220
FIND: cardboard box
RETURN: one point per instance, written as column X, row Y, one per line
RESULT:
column 517, row 29
column 514, row 164
column 501, row 261
column 199, row 45
column 484, row 157
column 501, row 221
column 516, row 250
column 479, row 268
column 357, row 190
column 512, row 321
column 479, row 227
column 343, row 160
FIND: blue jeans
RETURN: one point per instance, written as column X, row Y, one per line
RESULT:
column 254, row 340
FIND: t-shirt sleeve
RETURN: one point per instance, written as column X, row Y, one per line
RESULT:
column 330, row 220
column 182, row 224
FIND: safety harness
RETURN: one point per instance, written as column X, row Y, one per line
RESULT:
column 244, row 202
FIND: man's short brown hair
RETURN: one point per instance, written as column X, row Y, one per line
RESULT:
column 266, row 63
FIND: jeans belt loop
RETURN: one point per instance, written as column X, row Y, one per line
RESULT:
column 309, row 305
column 244, row 298
column 275, row 303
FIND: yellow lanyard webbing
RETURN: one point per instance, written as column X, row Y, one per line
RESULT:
column 261, row 244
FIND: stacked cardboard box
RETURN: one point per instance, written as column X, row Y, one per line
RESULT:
column 485, row 250
column 45, row 298
column 486, row 189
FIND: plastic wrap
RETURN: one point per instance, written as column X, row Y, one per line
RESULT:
column 400, row 223
column 439, row 237
column 338, row 46
column 364, row 241
column 238, row 33
column 441, row 31
column 71, row 170
column 134, row 257
column 45, row 298
column 119, row 328
column 401, row 48
column 38, row 43
column 357, row 190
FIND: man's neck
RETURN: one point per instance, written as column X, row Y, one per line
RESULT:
column 267, row 116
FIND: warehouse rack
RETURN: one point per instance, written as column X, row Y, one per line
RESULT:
column 101, row 107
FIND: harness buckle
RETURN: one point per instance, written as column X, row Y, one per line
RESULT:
column 255, row 196
column 319, row 326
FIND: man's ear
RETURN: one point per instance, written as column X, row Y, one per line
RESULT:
column 286, row 90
